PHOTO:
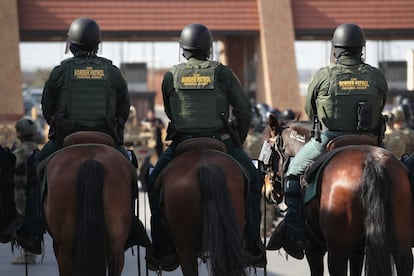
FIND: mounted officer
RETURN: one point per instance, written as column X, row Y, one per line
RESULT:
column 347, row 97
column 201, row 109
column 401, row 124
column 84, row 92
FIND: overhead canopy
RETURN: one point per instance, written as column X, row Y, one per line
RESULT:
column 149, row 20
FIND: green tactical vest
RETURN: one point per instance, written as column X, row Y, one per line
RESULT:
column 198, row 101
column 352, row 98
column 87, row 97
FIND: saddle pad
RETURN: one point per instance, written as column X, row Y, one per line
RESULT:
column 88, row 137
column 202, row 143
column 313, row 174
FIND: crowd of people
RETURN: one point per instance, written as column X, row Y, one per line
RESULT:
column 399, row 134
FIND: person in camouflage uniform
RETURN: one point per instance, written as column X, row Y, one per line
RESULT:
column 394, row 139
column 26, row 131
column 200, row 110
column 400, row 123
column 347, row 97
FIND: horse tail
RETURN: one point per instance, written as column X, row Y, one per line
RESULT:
column 222, row 237
column 377, row 205
column 90, row 225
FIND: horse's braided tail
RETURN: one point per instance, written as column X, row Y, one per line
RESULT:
column 377, row 205
column 90, row 226
column 221, row 231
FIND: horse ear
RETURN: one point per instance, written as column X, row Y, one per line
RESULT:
column 273, row 122
column 298, row 114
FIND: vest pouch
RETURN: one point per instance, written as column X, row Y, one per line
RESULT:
column 364, row 116
column 64, row 127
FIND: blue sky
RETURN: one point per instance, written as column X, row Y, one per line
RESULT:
column 309, row 54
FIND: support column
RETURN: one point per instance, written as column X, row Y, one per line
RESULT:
column 11, row 103
column 239, row 54
column 277, row 77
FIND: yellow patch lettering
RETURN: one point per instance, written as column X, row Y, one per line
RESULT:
column 88, row 73
column 353, row 84
column 195, row 80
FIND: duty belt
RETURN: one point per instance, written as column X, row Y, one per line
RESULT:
column 216, row 135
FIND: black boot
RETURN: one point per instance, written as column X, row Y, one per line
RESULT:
column 254, row 253
column 30, row 236
column 290, row 232
column 279, row 239
column 275, row 241
column 29, row 241
column 137, row 234
column 293, row 240
column 162, row 254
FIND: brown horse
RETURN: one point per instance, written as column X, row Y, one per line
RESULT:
column 363, row 203
column 204, row 209
column 88, row 208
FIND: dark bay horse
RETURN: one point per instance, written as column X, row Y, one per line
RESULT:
column 363, row 205
column 204, row 208
column 88, row 208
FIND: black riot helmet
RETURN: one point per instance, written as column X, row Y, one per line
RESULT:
column 288, row 114
column 84, row 34
column 197, row 40
column 348, row 38
column 348, row 35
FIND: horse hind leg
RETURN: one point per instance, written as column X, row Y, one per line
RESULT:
column 64, row 259
column 337, row 262
column 404, row 262
column 314, row 256
column 188, row 262
column 116, row 263
column 356, row 260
